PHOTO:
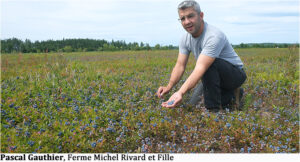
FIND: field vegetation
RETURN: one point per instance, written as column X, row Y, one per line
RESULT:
column 92, row 102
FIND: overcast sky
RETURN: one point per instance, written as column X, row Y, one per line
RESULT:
column 148, row 21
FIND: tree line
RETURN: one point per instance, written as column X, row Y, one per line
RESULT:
column 14, row 45
column 265, row 45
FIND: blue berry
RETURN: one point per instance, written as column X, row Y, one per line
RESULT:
column 60, row 134
column 171, row 102
column 109, row 129
column 27, row 134
column 93, row 144
column 11, row 105
column 31, row 143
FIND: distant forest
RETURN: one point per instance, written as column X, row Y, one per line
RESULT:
column 14, row 45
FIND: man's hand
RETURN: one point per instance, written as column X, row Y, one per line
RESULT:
column 161, row 91
column 173, row 101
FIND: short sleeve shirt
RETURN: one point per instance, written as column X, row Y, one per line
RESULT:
column 212, row 42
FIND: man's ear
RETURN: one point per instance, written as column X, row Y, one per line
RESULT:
column 201, row 15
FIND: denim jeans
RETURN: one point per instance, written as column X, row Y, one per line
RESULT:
column 218, row 84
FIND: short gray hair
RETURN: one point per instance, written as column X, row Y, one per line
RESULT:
column 189, row 3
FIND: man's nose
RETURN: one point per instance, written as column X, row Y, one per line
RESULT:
column 186, row 21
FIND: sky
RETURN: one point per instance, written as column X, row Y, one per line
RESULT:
column 148, row 21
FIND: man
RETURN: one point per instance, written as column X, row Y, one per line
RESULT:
column 217, row 65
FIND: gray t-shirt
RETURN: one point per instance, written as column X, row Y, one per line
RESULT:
column 212, row 42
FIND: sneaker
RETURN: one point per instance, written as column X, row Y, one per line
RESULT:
column 232, row 104
column 241, row 104
column 241, row 98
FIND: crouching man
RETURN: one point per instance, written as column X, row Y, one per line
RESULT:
column 218, row 66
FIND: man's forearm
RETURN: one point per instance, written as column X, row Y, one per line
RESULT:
column 203, row 63
column 191, row 81
column 176, row 75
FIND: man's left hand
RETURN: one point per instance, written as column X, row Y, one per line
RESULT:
column 173, row 101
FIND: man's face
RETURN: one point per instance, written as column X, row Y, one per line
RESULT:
column 191, row 21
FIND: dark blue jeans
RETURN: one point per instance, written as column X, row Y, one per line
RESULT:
column 219, row 82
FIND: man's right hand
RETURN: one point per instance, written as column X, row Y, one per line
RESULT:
column 161, row 91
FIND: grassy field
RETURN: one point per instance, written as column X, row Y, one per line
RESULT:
column 105, row 102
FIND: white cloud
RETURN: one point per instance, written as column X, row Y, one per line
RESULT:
column 151, row 21
column 255, row 20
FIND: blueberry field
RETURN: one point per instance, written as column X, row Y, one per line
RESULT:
column 97, row 102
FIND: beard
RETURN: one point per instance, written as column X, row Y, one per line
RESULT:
column 194, row 28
